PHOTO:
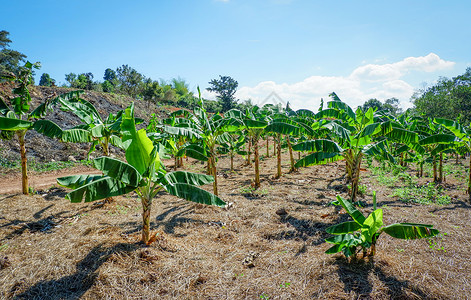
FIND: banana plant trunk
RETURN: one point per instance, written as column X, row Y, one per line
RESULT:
column 435, row 174
column 257, row 167
column 291, row 157
column 274, row 146
column 106, row 152
column 146, row 206
column 214, row 173
column 249, row 162
column 278, row 156
column 268, row 154
column 209, row 168
column 469, row 180
column 232, row 162
column 353, row 164
column 440, row 168
column 24, row 167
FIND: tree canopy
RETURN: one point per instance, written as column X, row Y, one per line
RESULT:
column 9, row 59
column 225, row 88
column 448, row 98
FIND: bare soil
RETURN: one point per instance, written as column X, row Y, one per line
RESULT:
column 268, row 245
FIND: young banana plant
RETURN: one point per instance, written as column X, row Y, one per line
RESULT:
column 19, row 120
column 462, row 140
column 363, row 232
column 143, row 172
column 353, row 135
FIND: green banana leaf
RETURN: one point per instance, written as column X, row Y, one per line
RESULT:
column 14, row 124
column 118, row 170
column 351, row 210
column 48, row 128
column 372, row 224
column 320, row 145
column 76, row 181
column 99, row 189
column 193, row 194
column 438, row 139
column 283, row 128
column 188, row 177
column 318, row 158
column 409, row 231
column 344, row 228
column 76, row 135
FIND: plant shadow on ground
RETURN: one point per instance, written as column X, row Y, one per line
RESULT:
column 176, row 217
column 44, row 225
column 356, row 277
column 75, row 285
column 304, row 229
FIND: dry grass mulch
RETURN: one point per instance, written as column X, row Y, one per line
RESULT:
column 268, row 245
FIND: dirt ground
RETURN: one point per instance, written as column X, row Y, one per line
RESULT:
column 267, row 245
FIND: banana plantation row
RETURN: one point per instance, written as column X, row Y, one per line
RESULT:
column 334, row 133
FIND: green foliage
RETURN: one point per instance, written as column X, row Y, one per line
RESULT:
column 362, row 233
column 9, row 59
column 129, row 80
column 429, row 193
column 225, row 88
column 46, row 80
column 448, row 98
column 143, row 172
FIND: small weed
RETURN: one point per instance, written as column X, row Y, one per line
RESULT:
column 436, row 245
column 264, row 296
column 400, row 250
column 425, row 194
column 3, row 247
column 285, row 284
column 362, row 189
column 118, row 210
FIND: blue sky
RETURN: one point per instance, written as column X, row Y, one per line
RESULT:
column 301, row 50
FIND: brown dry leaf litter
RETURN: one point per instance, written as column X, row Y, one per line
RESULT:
column 268, row 245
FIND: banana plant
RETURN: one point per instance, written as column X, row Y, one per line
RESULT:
column 94, row 128
column 254, row 122
column 176, row 133
column 279, row 127
column 363, row 232
column 352, row 136
column 462, row 140
column 211, row 130
column 143, row 172
column 19, row 120
column 233, row 146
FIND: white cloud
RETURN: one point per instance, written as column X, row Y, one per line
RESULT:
column 375, row 72
column 365, row 82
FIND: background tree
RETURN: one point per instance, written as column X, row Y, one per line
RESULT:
column 391, row 105
column 225, row 88
column 70, row 78
column 9, row 59
column 129, row 80
column 374, row 103
column 110, row 81
column 46, row 80
column 448, row 98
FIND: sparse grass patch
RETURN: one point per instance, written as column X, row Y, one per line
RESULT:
column 429, row 193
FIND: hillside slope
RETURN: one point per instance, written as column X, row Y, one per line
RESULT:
column 44, row 149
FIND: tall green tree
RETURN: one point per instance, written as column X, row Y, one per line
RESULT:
column 225, row 88
column 9, row 59
column 448, row 98
column 129, row 80
column 46, row 80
